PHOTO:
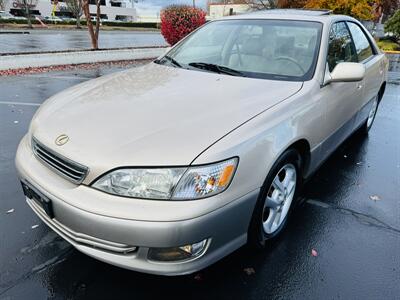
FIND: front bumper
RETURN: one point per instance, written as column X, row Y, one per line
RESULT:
column 126, row 242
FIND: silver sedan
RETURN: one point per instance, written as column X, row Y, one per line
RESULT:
column 169, row 167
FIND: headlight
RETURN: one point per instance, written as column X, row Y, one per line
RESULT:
column 172, row 183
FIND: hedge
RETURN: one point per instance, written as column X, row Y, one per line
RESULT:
column 83, row 22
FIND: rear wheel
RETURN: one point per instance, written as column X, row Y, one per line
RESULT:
column 276, row 199
column 371, row 116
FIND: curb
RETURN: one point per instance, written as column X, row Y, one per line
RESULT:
column 23, row 61
column 392, row 52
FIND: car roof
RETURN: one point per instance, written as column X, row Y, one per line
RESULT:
column 306, row 12
column 319, row 15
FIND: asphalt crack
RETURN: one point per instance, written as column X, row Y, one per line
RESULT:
column 363, row 218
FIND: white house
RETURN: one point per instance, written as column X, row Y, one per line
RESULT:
column 219, row 10
column 112, row 10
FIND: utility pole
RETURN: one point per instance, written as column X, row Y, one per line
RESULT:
column 194, row 3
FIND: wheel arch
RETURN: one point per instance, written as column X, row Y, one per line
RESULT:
column 302, row 146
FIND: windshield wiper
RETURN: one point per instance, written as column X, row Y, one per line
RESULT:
column 216, row 68
column 171, row 60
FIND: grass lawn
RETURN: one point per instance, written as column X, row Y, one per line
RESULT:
column 388, row 45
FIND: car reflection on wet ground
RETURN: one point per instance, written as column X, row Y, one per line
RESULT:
column 342, row 242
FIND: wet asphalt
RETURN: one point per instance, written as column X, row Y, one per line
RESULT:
column 56, row 40
column 356, row 238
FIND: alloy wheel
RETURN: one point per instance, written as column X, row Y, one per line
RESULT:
column 279, row 198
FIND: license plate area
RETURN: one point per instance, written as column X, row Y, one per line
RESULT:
column 33, row 194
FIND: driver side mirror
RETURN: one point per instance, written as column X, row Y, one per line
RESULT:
column 346, row 72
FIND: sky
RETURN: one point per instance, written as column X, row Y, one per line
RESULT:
column 152, row 7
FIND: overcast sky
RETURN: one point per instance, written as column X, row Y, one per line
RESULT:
column 152, row 7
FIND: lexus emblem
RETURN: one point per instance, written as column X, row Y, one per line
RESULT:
column 62, row 140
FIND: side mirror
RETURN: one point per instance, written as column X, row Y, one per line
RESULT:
column 346, row 72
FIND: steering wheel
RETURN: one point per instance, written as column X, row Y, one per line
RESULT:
column 292, row 61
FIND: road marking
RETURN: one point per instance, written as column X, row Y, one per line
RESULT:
column 19, row 103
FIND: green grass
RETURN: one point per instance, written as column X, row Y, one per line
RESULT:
column 387, row 45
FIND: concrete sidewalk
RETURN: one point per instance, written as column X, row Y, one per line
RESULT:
column 33, row 60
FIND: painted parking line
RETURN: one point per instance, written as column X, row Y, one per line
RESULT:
column 20, row 103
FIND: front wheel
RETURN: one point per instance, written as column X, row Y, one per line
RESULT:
column 276, row 199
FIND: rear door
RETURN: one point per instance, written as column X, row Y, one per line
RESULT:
column 374, row 67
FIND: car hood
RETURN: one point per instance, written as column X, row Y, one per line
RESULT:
column 152, row 115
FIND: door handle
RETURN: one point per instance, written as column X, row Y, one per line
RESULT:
column 359, row 86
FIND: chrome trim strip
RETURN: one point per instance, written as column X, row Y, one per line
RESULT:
column 80, row 238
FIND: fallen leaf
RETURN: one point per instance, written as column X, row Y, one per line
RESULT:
column 249, row 271
column 198, row 277
column 374, row 197
column 10, row 211
column 35, row 226
column 314, row 252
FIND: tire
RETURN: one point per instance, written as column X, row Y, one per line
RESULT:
column 364, row 129
column 263, row 226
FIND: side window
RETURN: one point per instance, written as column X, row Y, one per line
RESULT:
column 341, row 48
column 363, row 47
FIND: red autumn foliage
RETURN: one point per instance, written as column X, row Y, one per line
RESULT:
column 177, row 21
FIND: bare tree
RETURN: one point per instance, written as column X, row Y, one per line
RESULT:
column 27, row 6
column 267, row 4
column 3, row 4
column 93, row 32
column 75, row 7
column 262, row 4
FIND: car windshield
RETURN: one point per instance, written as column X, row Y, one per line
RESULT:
column 270, row 49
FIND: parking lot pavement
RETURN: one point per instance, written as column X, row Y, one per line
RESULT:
column 56, row 40
column 349, row 217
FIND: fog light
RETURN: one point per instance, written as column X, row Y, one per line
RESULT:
column 178, row 253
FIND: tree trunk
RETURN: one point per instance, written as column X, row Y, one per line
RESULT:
column 78, row 21
column 93, row 36
column 97, row 22
column 28, row 14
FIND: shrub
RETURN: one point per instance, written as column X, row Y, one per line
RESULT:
column 393, row 24
column 177, row 21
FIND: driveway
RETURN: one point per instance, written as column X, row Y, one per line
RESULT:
column 350, row 217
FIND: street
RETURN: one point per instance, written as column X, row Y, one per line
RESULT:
column 56, row 40
column 349, row 216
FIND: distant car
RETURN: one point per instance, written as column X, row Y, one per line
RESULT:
column 169, row 167
column 53, row 18
column 68, row 19
column 8, row 16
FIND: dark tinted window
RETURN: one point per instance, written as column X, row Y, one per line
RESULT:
column 341, row 48
column 361, row 42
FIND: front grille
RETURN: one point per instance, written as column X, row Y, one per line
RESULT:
column 67, row 168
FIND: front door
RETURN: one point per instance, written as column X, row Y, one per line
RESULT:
column 342, row 99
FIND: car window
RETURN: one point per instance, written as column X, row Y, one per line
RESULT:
column 361, row 42
column 270, row 49
column 341, row 48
